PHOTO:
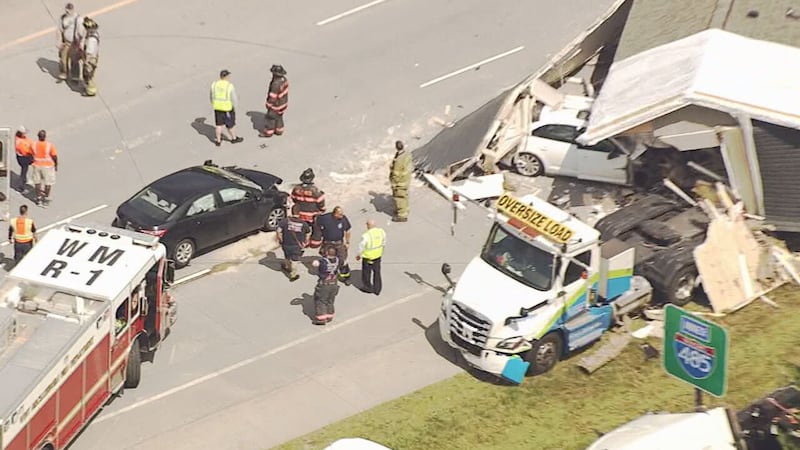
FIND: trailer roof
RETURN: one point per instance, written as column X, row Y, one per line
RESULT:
column 88, row 262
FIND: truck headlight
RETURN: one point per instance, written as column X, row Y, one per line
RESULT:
column 514, row 343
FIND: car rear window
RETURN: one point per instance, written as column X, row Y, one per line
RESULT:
column 154, row 204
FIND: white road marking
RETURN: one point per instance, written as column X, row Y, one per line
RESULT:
column 472, row 66
column 261, row 356
column 62, row 221
column 349, row 12
column 191, row 277
column 49, row 30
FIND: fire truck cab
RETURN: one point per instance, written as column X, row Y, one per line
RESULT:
column 77, row 314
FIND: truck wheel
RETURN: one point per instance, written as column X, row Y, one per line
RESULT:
column 681, row 286
column 133, row 371
column 528, row 164
column 545, row 354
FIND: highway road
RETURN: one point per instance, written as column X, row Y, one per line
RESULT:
column 244, row 368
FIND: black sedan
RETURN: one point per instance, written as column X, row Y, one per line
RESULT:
column 204, row 206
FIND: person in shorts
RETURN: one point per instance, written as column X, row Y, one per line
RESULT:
column 45, row 165
column 223, row 100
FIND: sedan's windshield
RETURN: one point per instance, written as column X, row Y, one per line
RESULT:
column 154, row 203
column 518, row 259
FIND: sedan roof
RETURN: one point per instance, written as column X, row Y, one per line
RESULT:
column 184, row 184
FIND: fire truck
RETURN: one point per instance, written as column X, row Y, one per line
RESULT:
column 77, row 316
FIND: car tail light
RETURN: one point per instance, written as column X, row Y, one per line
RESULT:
column 159, row 233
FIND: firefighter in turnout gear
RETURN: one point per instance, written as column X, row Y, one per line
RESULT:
column 335, row 230
column 90, row 56
column 400, row 178
column 21, row 233
column 70, row 41
column 310, row 201
column 293, row 238
column 277, row 102
column 327, row 286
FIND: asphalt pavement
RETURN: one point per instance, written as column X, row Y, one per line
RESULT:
column 359, row 80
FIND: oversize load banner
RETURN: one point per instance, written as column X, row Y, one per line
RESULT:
column 535, row 219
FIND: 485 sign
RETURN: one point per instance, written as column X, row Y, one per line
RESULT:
column 695, row 350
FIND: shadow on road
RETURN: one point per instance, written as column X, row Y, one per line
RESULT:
column 383, row 203
column 307, row 303
column 203, row 128
column 445, row 351
column 257, row 119
column 419, row 280
column 48, row 66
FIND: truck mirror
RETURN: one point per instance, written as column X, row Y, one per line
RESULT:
column 446, row 269
column 170, row 271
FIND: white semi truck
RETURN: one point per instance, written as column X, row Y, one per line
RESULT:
column 543, row 286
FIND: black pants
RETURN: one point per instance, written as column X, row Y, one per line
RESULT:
column 24, row 163
column 324, row 297
column 21, row 249
column 371, row 275
column 273, row 123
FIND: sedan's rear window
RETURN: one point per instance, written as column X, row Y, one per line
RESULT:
column 154, row 203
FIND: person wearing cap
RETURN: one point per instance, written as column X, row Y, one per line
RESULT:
column 24, row 147
column 277, row 102
column 70, row 40
column 400, row 179
column 90, row 56
column 45, row 165
column 223, row 100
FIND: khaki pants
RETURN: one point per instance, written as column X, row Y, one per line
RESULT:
column 89, row 68
column 65, row 55
column 400, row 194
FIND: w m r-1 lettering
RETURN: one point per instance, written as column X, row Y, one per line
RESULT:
column 71, row 247
column 101, row 255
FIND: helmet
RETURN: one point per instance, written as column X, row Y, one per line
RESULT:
column 89, row 23
column 278, row 69
column 307, row 176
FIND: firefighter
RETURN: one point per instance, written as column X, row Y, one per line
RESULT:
column 90, row 56
column 335, row 229
column 277, row 102
column 327, row 286
column 21, row 233
column 400, row 179
column 310, row 201
column 293, row 238
column 70, row 38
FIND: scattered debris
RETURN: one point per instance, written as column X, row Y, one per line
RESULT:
column 650, row 352
column 479, row 188
column 440, row 187
column 606, row 352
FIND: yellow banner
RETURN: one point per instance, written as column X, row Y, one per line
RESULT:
column 533, row 218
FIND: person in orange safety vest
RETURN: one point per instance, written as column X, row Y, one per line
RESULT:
column 22, row 233
column 45, row 165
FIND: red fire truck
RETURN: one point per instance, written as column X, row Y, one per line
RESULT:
column 77, row 315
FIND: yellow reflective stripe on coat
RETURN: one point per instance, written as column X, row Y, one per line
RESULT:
column 374, row 247
column 221, row 93
column 23, row 229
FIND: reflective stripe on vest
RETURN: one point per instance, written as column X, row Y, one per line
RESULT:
column 40, row 158
column 374, row 248
column 221, row 91
column 23, row 229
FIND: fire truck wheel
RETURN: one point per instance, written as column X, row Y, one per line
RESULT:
column 133, row 371
column 546, row 352
column 184, row 251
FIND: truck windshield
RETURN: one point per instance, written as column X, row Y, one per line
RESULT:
column 518, row 259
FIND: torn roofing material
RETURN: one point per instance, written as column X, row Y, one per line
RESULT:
column 715, row 69
column 461, row 141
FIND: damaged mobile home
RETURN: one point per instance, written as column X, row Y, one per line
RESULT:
column 674, row 90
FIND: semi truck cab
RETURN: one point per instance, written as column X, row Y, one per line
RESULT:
column 541, row 287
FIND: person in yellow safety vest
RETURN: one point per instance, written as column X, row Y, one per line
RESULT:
column 21, row 233
column 223, row 100
column 370, row 251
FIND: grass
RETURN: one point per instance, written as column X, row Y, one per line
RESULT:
column 565, row 409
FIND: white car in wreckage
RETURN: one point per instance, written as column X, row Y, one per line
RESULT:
column 551, row 148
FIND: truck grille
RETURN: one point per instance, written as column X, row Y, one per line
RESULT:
column 468, row 328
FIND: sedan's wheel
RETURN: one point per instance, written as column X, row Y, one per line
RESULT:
column 528, row 164
column 274, row 217
column 184, row 252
